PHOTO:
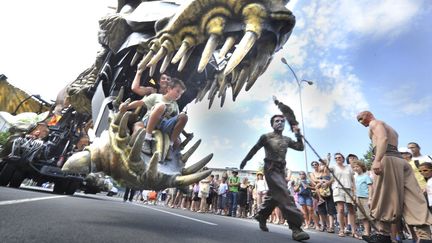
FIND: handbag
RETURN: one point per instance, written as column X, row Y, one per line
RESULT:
column 324, row 192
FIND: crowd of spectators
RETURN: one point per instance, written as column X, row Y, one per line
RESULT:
column 326, row 195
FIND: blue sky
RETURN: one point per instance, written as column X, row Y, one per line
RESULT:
column 360, row 54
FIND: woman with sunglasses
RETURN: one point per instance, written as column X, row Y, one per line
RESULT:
column 340, row 194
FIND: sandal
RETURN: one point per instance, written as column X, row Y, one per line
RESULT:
column 330, row 230
column 356, row 236
column 341, row 234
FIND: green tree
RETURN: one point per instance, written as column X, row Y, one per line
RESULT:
column 260, row 166
column 367, row 157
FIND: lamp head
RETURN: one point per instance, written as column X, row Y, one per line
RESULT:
column 308, row 81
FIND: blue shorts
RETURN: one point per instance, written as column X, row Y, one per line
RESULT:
column 302, row 200
column 166, row 125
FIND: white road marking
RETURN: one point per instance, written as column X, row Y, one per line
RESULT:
column 28, row 200
column 175, row 214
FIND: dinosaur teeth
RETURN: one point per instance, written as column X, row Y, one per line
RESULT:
column 240, row 83
column 242, row 49
column 209, row 48
column 189, row 179
column 211, row 101
column 185, row 156
column 184, row 59
column 222, row 85
column 166, row 62
column 143, row 64
column 152, row 70
column 181, row 52
column 229, row 42
column 135, row 58
column 212, row 93
column 204, row 91
column 197, row 166
column 137, row 143
column 156, row 58
column 234, row 76
column 252, row 79
column 223, row 95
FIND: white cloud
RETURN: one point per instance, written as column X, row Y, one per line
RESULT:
column 405, row 100
column 417, row 107
column 335, row 23
column 379, row 18
column 220, row 144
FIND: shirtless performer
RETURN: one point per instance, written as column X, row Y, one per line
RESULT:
column 276, row 146
column 396, row 192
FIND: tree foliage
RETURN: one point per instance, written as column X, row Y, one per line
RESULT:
column 367, row 157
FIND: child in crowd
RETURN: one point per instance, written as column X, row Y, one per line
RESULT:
column 426, row 171
column 363, row 193
column 195, row 198
column 222, row 197
column 261, row 188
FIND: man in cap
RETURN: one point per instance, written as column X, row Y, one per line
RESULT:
column 415, row 164
column 276, row 146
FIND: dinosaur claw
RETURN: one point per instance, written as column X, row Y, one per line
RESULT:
column 123, row 128
column 185, row 156
column 137, row 141
column 152, row 165
column 197, row 166
column 189, row 179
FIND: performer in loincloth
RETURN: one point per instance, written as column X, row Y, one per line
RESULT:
column 396, row 193
column 276, row 146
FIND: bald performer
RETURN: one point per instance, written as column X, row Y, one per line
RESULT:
column 396, row 193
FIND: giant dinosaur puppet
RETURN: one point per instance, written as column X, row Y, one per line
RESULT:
column 212, row 45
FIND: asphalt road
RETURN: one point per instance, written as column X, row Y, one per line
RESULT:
column 36, row 215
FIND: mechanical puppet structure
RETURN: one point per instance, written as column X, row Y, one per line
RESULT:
column 212, row 45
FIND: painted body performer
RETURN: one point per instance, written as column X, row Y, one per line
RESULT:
column 276, row 146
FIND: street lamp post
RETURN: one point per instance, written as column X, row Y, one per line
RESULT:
column 301, row 106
